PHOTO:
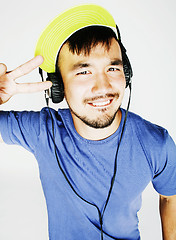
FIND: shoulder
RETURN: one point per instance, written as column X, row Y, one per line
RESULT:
column 155, row 141
column 147, row 130
column 59, row 119
column 56, row 115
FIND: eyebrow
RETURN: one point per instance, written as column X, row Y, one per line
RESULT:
column 116, row 61
column 80, row 65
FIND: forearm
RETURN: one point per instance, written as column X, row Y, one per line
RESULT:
column 168, row 217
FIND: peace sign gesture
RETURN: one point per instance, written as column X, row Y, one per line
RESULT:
column 8, row 86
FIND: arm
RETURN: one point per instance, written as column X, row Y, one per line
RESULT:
column 8, row 86
column 168, row 216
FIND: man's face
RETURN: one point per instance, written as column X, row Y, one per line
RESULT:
column 94, row 84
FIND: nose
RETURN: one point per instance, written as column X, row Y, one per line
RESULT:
column 101, row 84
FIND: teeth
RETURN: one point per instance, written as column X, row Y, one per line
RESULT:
column 99, row 104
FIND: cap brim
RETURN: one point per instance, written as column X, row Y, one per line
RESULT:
column 64, row 25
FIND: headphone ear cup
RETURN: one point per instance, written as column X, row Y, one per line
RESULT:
column 126, row 62
column 57, row 89
column 127, row 68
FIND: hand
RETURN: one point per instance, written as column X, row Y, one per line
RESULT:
column 8, row 86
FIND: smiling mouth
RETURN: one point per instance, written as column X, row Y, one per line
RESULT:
column 101, row 104
column 103, row 101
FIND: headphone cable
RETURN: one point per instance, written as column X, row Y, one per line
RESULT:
column 114, row 174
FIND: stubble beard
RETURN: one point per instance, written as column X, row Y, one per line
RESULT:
column 100, row 122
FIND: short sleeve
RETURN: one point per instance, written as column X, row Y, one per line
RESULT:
column 164, row 180
column 21, row 128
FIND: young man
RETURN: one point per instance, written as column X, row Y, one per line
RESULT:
column 94, row 159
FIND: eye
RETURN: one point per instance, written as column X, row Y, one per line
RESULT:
column 83, row 73
column 113, row 69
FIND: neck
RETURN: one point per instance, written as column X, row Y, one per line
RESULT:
column 96, row 134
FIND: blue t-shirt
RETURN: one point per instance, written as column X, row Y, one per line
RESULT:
column 147, row 153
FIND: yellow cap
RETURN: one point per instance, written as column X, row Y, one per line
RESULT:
column 64, row 25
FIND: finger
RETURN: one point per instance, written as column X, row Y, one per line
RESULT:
column 3, row 69
column 32, row 87
column 26, row 67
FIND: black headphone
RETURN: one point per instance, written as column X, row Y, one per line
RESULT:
column 57, row 89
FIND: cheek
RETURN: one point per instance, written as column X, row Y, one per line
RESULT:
column 124, row 84
column 73, row 92
column 119, row 83
column 122, row 81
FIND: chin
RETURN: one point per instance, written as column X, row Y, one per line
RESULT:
column 100, row 122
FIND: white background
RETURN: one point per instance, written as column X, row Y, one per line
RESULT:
column 148, row 33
